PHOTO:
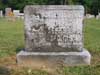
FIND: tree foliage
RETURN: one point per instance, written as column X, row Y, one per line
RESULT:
column 91, row 6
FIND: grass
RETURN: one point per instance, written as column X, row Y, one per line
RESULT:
column 11, row 37
column 92, row 35
column 12, row 40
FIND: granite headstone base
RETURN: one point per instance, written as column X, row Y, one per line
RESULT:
column 40, row 59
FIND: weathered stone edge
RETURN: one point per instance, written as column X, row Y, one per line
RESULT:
column 66, row 7
column 68, row 58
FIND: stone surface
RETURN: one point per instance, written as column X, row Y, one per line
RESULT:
column 16, row 13
column 53, row 36
column 7, row 11
column 50, row 59
column 51, row 28
column 1, row 13
column 21, row 15
column 88, row 16
column 98, row 16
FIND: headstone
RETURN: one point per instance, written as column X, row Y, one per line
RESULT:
column 1, row 13
column 21, row 15
column 7, row 11
column 53, row 29
column 9, row 14
column 53, row 33
column 16, row 13
column 88, row 16
column 98, row 16
column 99, row 13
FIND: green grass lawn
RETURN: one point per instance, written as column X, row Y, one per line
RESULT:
column 12, row 40
column 11, row 37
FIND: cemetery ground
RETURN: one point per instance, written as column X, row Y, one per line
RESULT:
column 12, row 41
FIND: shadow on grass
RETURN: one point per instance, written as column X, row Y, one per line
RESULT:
column 18, row 49
column 4, row 71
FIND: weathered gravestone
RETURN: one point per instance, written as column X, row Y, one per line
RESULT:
column 88, row 16
column 7, row 11
column 53, row 35
column 9, row 14
column 1, row 13
column 16, row 13
column 21, row 15
column 98, row 16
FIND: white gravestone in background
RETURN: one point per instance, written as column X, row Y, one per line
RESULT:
column 16, row 13
column 53, row 33
column 98, row 16
column 1, row 13
column 21, row 15
column 7, row 11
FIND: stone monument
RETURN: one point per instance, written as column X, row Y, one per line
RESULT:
column 21, row 15
column 7, row 11
column 1, row 13
column 16, row 13
column 53, row 36
column 98, row 16
column 9, row 14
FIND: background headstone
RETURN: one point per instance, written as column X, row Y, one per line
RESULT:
column 21, row 15
column 7, row 11
column 9, row 14
column 16, row 13
column 88, row 16
column 98, row 16
column 1, row 13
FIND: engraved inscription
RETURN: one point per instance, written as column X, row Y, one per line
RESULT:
column 53, row 30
